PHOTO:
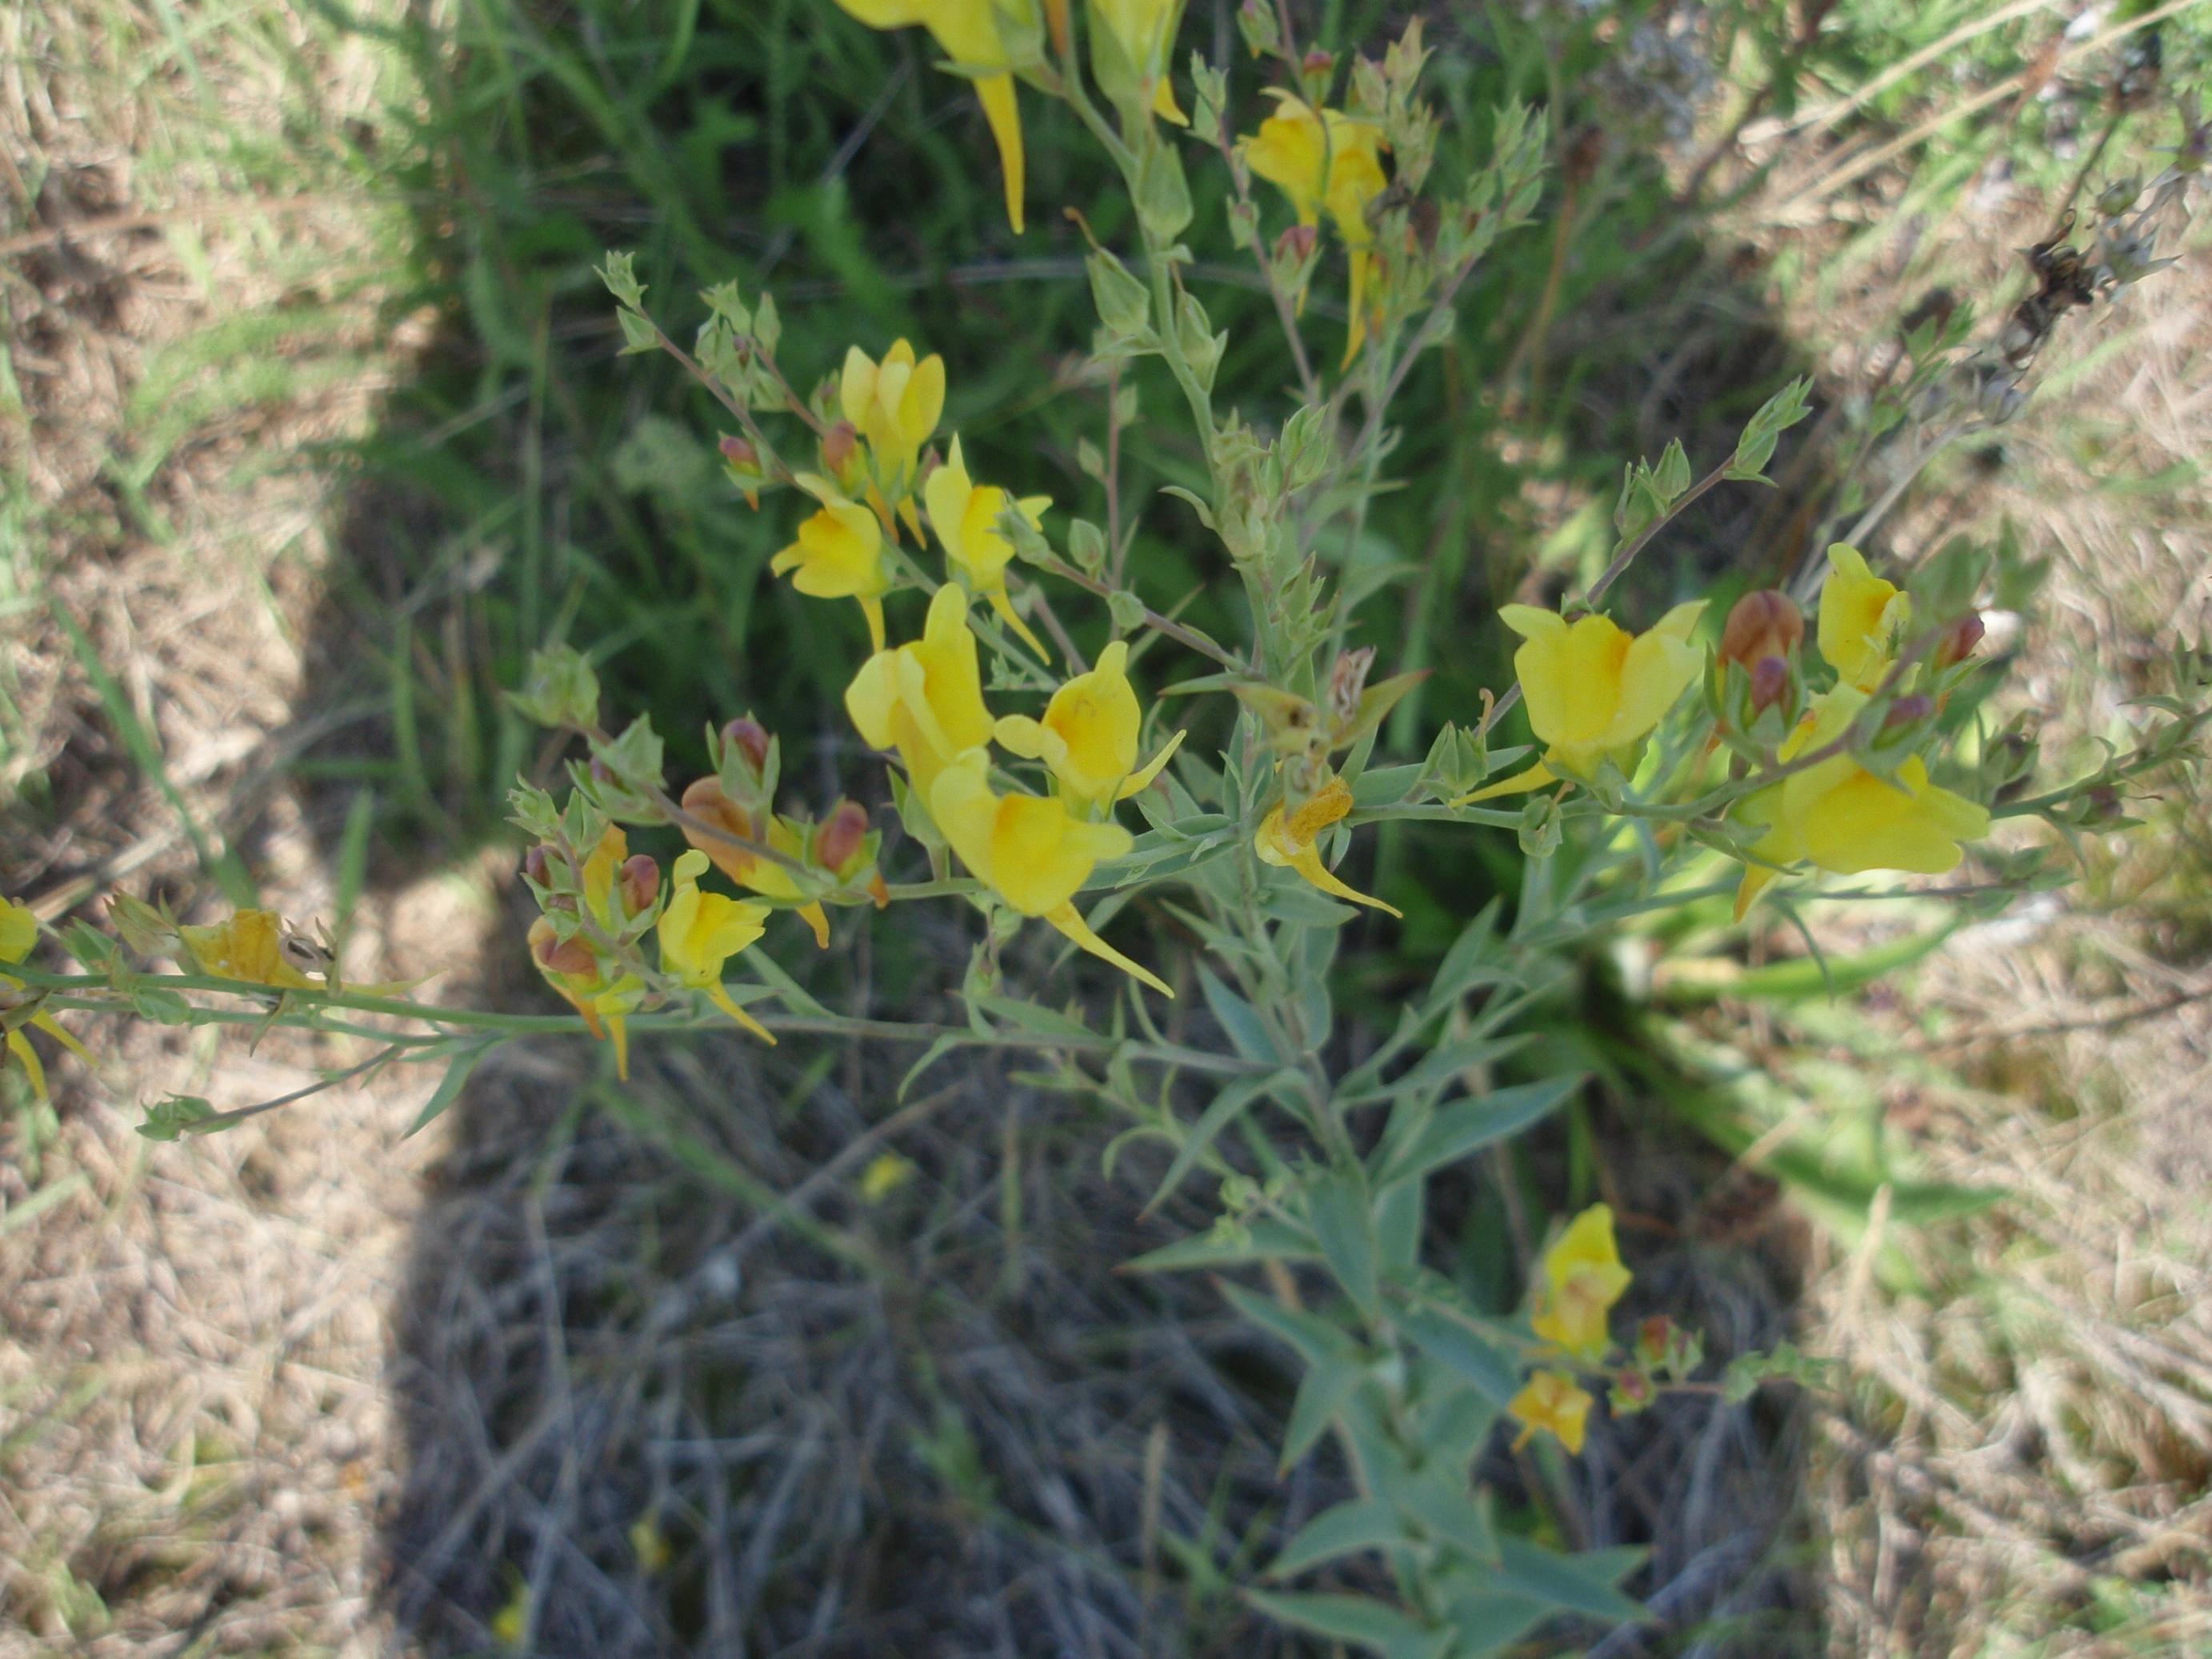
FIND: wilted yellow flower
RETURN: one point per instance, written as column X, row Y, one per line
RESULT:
column 706, row 801
column 1320, row 160
column 839, row 554
column 1144, row 31
column 248, row 946
column 19, row 935
column 1593, row 689
column 965, row 514
column 1029, row 850
column 699, row 932
column 1578, row 1281
column 573, row 969
column 1293, row 843
column 895, row 404
column 1844, row 818
column 1088, row 736
column 1554, row 1401
column 924, row 699
column 1861, row 619
column 969, row 32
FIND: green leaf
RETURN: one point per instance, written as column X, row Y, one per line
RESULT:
column 1466, row 1125
column 1448, row 1513
column 1322, row 1394
column 1032, row 1017
column 1264, row 1239
column 450, row 1086
column 1314, row 1339
column 1343, row 1221
column 1246, row 1032
column 1363, row 1524
column 1582, row 1583
column 1459, row 1349
column 167, row 1119
column 936, row 1051
column 1374, row 1625
column 1231, row 1103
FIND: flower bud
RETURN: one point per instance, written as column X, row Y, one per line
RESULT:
column 640, row 883
column 537, row 867
column 1770, row 683
column 1296, row 245
column 840, row 455
column 749, row 738
column 1632, row 1392
column 601, row 772
column 739, row 454
column 842, row 836
column 1906, row 710
column 1959, row 641
column 1762, row 624
column 1317, row 63
column 562, row 956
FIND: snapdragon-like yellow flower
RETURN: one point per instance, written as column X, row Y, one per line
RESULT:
column 969, row 32
column 1325, row 159
column 19, row 935
column 1144, row 30
column 1593, row 689
column 1029, row 850
column 1579, row 1280
column 839, row 554
column 1293, row 842
column 924, row 699
column 1863, row 617
column 895, row 404
column 1088, row 736
column 1844, row 818
column 1554, row 1402
column 699, row 932
column 965, row 516
column 706, row 801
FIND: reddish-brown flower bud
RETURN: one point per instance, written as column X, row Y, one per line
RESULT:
column 1905, row 710
column 562, row 956
column 739, row 452
column 1317, row 63
column 1296, row 244
column 537, row 866
column 842, row 836
column 749, row 738
column 840, row 449
column 1761, row 624
column 1960, row 641
column 601, row 772
column 640, row 883
column 1770, row 683
column 1634, row 1387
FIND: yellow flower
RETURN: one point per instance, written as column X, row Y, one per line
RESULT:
column 1088, row 736
column 1844, row 818
column 1551, row 1400
column 19, row 934
column 1292, row 844
column 1861, row 619
column 839, row 554
column 885, row 1175
column 964, row 515
column 924, row 699
column 1144, row 31
column 248, row 946
column 1321, row 159
column 895, row 404
column 706, row 801
column 1593, row 690
column 699, row 932
column 574, row 969
column 1029, row 850
column 1580, row 1279
column 968, row 31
